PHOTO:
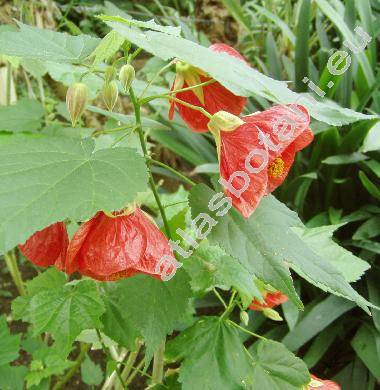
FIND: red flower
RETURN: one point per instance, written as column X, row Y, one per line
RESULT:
column 118, row 246
column 255, row 157
column 48, row 246
column 270, row 300
column 321, row 384
column 213, row 97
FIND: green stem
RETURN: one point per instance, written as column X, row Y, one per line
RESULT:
column 247, row 331
column 11, row 262
column 135, row 370
column 106, row 351
column 158, row 364
column 159, row 354
column 219, row 297
column 166, row 95
column 8, row 85
column 230, row 307
column 154, row 78
column 145, row 152
column 78, row 361
column 174, row 171
column 130, row 362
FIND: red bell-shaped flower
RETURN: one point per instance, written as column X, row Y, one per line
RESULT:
column 118, row 246
column 48, row 246
column 255, row 156
column 322, row 384
column 271, row 300
column 212, row 97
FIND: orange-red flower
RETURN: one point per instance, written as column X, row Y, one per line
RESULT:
column 322, row 384
column 212, row 97
column 255, row 156
column 47, row 247
column 111, row 247
column 270, row 300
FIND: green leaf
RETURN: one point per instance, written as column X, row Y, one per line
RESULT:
column 274, row 367
column 91, row 372
column 369, row 229
column 51, row 364
column 342, row 159
column 369, row 186
column 116, row 320
column 46, row 45
column 154, row 307
column 62, row 310
column 209, row 266
column 25, row 115
column 12, row 377
column 233, row 73
column 366, row 344
column 302, row 46
column 372, row 140
column 107, row 47
column 374, row 295
column 317, row 319
column 45, row 180
column 266, row 245
column 213, row 356
column 320, row 240
column 150, row 24
column 10, row 344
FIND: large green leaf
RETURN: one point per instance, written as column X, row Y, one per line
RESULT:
column 274, row 367
column 12, row 377
column 10, row 344
column 266, row 245
column 154, row 307
column 44, row 180
column 209, row 266
column 63, row 310
column 46, row 45
column 213, row 356
column 25, row 115
column 232, row 73
column 320, row 240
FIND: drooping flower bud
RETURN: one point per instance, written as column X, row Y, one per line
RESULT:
column 110, row 74
column 126, row 76
column 224, row 121
column 110, row 94
column 272, row 314
column 244, row 317
column 76, row 100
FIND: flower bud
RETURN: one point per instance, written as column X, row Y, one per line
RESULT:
column 244, row 318
column 126, row 76
column 76, row 100
column 272, row 314
column 110, row 94
column 110, row 74
column 224, row 121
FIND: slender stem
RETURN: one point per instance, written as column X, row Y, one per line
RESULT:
column 247, row 331
column 134, row 372
column 78, row 361
column 230, row 307
column 134, row 55
column 145, row 152
column 179, row 174
column 196, row 108
column 8, row 85
column 155, row 77
column 165, row 95
column 159, row 354
column 130, row 362
column 11, row 262
column 158, row 364
column 219, row 297
column 106, row 351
